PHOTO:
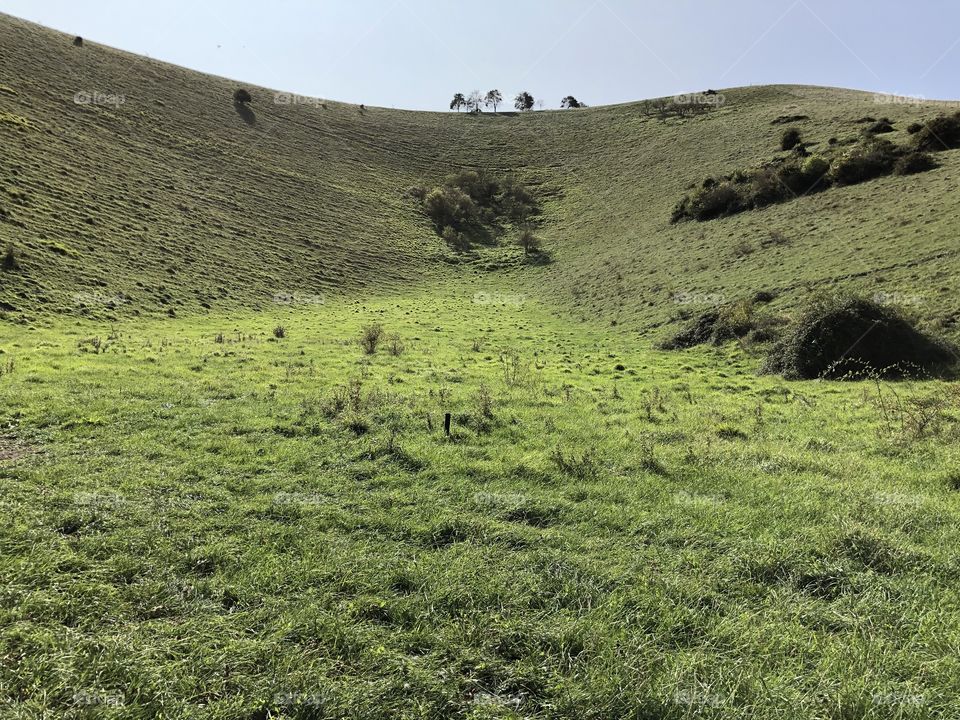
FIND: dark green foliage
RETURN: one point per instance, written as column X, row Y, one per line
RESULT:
column 914, row 162
column 471, row 206
column 712, row 202
column 716, row 325
column 790, row 139
column 881, row 126
column 450, row 207
column 865, row 162
column 846, row 336
column 10, row 259
column 279, row 332
column 242, row 97
column 941, row 133
column 570, row 102
column 523, row 101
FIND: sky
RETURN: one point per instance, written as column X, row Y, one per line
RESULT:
column 416, row 54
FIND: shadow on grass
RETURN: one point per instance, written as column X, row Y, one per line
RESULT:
column 244, row 111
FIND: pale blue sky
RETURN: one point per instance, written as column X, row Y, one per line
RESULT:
column 417, row 53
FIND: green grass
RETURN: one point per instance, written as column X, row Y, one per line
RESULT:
column 193, row 528
column 203, row 520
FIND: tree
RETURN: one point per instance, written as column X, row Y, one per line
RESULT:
column 571, row 102
column 474, row 101
column 529, row 241
column 493, row 99
column 523, row 101
column 458, row 102
column 242, row 97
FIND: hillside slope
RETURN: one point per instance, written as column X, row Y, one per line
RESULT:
column 174, row 202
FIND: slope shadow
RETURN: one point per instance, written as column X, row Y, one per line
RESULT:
column 244, row 111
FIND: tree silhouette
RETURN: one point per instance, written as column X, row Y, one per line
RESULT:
column 474, row 101
column 493, row 99
column 458, row 102
column 571, row 102
column 523, row 101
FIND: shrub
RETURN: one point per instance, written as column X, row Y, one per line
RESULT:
column 865, row 162
column 78, row 41
column 529, row 241
column 370, row 338
column 882, row 126
column 816, row 168
column 395, row 345
column 716, row 201
column 450, row 207
column 941, row 133
column 716, row 326
column 455, row 238
column 914, row 162
column 242, row 97
column 10, row 259
column 914, row 128
column 790, row 139
column 838, row 337
column 279, row 332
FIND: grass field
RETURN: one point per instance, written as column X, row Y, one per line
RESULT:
column 218, row 529
column 217, row 505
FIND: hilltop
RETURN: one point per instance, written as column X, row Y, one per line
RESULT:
column 174, row 202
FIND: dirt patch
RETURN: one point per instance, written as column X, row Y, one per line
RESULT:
column 12, row 449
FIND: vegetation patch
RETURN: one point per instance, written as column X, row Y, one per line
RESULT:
column 799, row 174
column 734, row 321
column 941, row 133
column 474, row 207
column 849, row 337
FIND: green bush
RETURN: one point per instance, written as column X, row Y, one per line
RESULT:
column 848, row 337
column 450, row 207
column 790, row 139
column 716, row 201
column 914, row 162
column 865, row 162
column 9, row 259
column 941, row 133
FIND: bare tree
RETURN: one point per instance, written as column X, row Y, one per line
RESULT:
column 493, row 99
column 474, row 101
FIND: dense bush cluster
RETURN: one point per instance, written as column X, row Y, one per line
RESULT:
column 741, row 320
column 850, row 337
column 799, row 174
column 472, row 206
column 941, row 133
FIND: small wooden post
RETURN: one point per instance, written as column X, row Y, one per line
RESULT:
column 446, row 424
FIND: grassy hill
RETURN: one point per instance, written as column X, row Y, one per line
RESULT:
column 174, row 201
column 218, row 503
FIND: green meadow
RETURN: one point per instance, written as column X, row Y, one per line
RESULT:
column 272, row 447
column 203, row 520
